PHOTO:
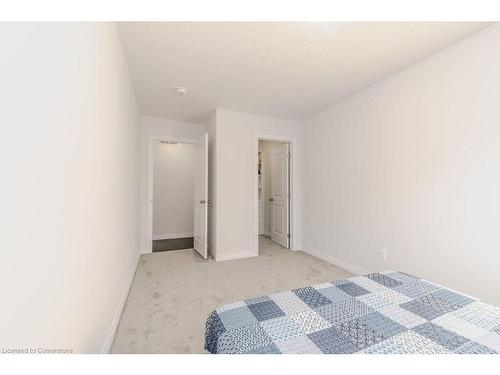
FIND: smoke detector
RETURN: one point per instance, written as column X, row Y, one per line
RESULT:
column 181, row 90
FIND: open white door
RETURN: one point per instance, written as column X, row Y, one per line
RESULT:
column 201, row 197
column 280, row 193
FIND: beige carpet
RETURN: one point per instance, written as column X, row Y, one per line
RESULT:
column 174, row 292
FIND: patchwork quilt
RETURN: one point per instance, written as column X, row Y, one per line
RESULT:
column 388, row 312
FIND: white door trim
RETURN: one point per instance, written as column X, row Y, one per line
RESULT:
column 293, row 186
column 152, row 139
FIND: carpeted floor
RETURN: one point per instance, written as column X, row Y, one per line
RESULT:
column 173, row 293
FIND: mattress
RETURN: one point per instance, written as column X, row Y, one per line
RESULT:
column 379, row 313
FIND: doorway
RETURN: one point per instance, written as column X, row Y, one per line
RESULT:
column 173, row 192
column 178, row 190
column 273, row 193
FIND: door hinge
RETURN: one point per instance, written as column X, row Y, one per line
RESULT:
column 288, row 235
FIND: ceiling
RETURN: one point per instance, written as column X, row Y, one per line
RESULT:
column 288, row 70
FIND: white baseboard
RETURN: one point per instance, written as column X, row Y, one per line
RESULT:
column 336, row 261
column 169, row 236
column 235, row 255
column 119, row 310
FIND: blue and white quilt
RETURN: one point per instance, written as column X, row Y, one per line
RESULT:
column 388, row 312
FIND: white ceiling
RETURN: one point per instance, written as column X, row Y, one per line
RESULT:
column 287, row 70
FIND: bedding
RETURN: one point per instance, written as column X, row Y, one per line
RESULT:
column 379, row 313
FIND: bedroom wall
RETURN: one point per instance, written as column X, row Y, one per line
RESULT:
column 69, row 192
column 411, row 165
column 152, row 128
column 173, row 190
column 236, row 179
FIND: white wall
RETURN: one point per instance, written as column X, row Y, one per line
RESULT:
column 153, row 128
column 69, row 192
column 173, row 190
column 236, row 175
column 412, row 165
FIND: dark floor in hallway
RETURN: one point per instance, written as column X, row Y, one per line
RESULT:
column 172, row 244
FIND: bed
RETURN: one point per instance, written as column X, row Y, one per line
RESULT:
column 379, row 313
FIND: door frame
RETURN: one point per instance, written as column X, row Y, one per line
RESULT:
column 291, row 186
column 152, row 139
column 204, row 197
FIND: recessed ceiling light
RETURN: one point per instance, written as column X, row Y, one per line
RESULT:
column 181, row 90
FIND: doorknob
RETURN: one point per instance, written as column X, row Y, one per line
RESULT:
column 271, row 199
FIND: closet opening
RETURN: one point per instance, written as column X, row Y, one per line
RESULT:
column 273, row 195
